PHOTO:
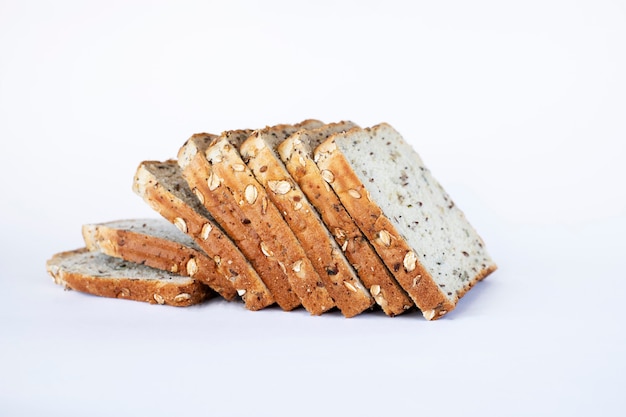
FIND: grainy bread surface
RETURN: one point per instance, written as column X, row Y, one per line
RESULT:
column 336, row 274
column 421, row 235
column 297, row 154
column 162, row 186
column 106, row 276
column 158, row 244
column 214, row 169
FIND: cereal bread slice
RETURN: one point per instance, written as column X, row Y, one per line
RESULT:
column 162, row 186
column 421, row 235
column 107, row 276
column 297, row 154
column 343, row 285
column 159, row 244
column 214, row 168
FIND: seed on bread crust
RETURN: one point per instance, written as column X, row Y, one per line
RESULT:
column 250, row 193
column 159, row 299
column 180, row 223
column 214, row 181
column 198, row 195
column 182, row 297
column 349, row 286
column 279, row 187
column 410, row 260
column 266, row 250
column 192, row 267
column 206, row 230
column 328, row 176
column 375, row 290
column 241, row 292
column 354, row 193
column 238, row 167
column 429, row 314
column 384, row 237
column 297, row 266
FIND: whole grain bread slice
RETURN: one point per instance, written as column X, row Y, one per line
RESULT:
column 421, row 235
column 159, row 244
column 339, row 278
column 162, row 186
column 297, row 154
column 214, row 168
column 106, row 276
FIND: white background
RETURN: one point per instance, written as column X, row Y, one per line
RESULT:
column 518, row 108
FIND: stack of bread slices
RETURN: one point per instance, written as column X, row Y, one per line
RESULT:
column 312, row 215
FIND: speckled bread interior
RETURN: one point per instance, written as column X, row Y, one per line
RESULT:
column 297, row 154
column 159, row 244
column 163, row 187
column 422, row 236
column 310, row 215
column 106, row 276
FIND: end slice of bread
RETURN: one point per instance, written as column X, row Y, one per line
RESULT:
column 163, row 187
column 418, row 231
column 106, row 276
column 159, row 244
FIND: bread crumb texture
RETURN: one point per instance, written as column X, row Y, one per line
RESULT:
column 396, row 240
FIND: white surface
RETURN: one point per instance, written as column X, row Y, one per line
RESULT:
column 518, row 108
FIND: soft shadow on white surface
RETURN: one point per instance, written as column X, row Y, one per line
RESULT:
column 516, row 107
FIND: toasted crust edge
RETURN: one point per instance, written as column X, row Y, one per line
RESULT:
column 416, row 280
column 153, row 292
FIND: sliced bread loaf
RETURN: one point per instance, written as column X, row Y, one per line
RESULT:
column 214, row 167
column 162, row 186
column 158, row 244
column 421, row 235
column 106, row 276
column 260, row 154
column 297, row 154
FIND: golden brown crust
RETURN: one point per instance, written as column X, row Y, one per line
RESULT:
column 325, row 255
column 224, row 196
column 158, row 253
column 393, row 249
column 150, row 291
column 374, row 274
column 229, row 261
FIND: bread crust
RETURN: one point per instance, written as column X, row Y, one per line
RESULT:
column 137, row 245
column 212, row 166
column 297, row 154
column 179, row 293
column 229, row 260
column 335, row 273
column 393, row 249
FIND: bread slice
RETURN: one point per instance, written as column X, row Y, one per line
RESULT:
column 214, row 168
column 162, row 186
column 421, row 235
column 297, row 154
column 106, row 276
column 158, row 244
column 336, row 273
